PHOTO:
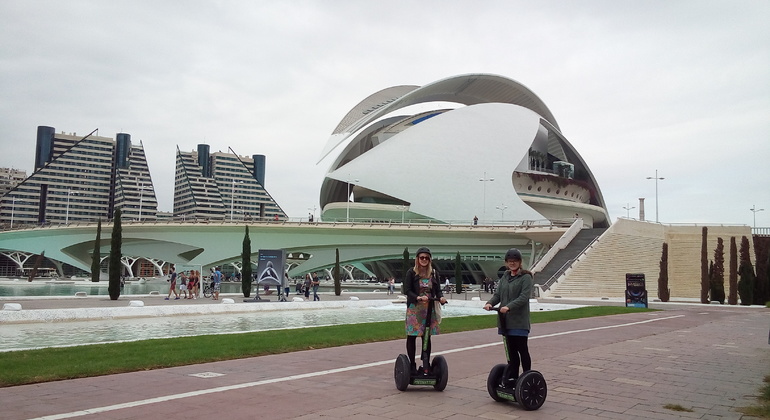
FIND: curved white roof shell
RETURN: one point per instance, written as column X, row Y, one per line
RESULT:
column 429, row 164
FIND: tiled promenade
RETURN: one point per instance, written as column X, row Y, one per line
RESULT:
column 709, row 359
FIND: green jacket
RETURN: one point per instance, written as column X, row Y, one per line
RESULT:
column 514, row 292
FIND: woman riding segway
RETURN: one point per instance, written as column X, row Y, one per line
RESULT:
column 423, row 293
column 513, row 294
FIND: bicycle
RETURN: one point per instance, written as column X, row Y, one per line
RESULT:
column 208, row 289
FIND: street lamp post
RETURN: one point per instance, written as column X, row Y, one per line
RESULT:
column 347, row 200
column 656, row 178
column 232, row 198
column 67, row 214
column 502, row 208
column 403, row 209
column 753, row 209
column 484, row 200
column 628, row 209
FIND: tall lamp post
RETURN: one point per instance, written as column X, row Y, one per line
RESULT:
column 656, row 178
column 141, row 199
column 484, row 200
column 629, row 207
column 347, row 199
column 502, row 208
column 232, row 198
column 67, row 214
column 753, row 209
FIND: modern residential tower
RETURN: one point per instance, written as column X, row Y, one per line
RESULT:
column 222, row 186
column 82, row 179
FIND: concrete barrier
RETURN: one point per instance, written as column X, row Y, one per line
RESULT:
column 12, row 306
column 227, row 300
column 136, row 304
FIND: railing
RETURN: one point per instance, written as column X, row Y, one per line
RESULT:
column 566, row 266
column 523, row 224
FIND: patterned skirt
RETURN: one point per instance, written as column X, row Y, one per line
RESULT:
column 415, row 319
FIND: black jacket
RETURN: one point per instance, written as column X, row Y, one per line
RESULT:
column 412, row 286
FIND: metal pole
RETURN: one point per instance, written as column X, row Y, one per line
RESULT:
column 13, row 208
column 753, row 209
column 232, row 200
column 67, row 217
column 656, row 178
column 628, row 209
column 484, row 200
column 141, row 197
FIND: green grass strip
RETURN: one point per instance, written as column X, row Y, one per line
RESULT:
column 52, row 364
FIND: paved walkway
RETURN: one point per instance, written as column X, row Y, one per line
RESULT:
column 709, row 359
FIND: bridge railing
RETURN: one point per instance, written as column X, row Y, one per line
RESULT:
column 524, row 224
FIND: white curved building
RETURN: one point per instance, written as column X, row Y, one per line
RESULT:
column 474, row 145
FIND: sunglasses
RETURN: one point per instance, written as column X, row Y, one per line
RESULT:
column 423, row 258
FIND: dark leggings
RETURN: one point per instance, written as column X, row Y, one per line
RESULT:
column 518, row 353
column 411, row 347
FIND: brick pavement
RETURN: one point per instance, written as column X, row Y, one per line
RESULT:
column 709, row 359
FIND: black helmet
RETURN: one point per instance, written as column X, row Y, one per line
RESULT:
column 423, row 250
column 513, row 254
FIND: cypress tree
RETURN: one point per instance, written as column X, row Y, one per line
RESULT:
column 704, row 267
column 761, row 284
column 732, row 295
column 336, row 273
column 718, row 273
column 458, row 274
column 746, row 274
column 246, row 265
column 113, row 287
column 96, row 257
column 664, row 293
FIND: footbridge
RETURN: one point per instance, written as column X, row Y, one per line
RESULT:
column 311, row 245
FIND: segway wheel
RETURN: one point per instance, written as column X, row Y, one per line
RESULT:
column 402, row 372
column 494, row 380
column 441, row 370
column 531, row 390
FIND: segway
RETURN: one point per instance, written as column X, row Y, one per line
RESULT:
column 433, row 374
column 529, row 389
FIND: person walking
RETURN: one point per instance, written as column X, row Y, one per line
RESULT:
column 421, row 284
column 316, row 283
column 172, row 287
column 513, row 293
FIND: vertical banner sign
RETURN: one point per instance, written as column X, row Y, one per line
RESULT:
column 636, row 294
column 270, row 267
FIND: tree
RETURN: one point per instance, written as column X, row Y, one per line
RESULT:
column 732, row 295
column 246, row 265
column 113, row 288
column 761, row 283
column 746, row 274
column 664, row 293
column 96, row 258
column 704, row 267
column 717, row 277
column 458, row 274
column 336, row 273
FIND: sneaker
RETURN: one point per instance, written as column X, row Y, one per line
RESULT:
column 165, row 298
column 176, row 298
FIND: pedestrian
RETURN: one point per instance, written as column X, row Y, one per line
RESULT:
column 172, row 287
column 513, row 293
column 421, row 285
column 475, row 220
column 306, row 285
column 316, row 283
column 183, row 284
column 392, row 286
column 216, row 280
column 192, row 284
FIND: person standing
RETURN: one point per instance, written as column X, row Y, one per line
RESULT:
column 421, row 284
column 216, row 279
column 183, row 284
column 306, row 285
column 513, row 293
column 316, row 283
column 172, row 286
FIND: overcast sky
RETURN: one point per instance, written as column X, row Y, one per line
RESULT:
column 681, row 87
